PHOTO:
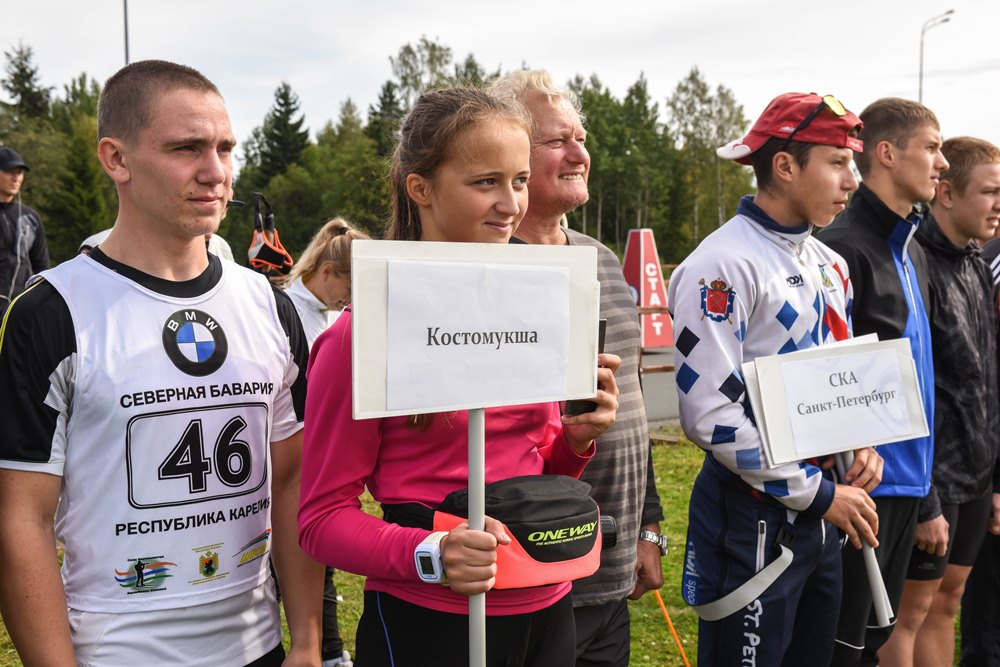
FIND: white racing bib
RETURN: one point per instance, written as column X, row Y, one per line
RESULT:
column 172, row 405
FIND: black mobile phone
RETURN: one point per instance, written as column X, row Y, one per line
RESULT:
column 577, row 406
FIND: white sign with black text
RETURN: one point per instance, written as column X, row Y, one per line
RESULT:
column 472, row 332
column 438, row 327
column 835, row 398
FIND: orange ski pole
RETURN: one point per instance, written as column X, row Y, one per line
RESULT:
column 666, row 616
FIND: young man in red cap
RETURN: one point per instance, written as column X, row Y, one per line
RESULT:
column 761, row 285
column 901, row 166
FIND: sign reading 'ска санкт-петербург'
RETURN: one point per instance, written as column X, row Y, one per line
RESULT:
column 838, row 398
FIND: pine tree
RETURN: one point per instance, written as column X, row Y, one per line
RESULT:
column 356, row 188
column 605, row 143
column 79, row 99
column 268, row 153
column 642, row 132
column 78, row 208
column 284, row 137
column 31, row 100
column 383, row 120
column 470, row 73
column 701, row 121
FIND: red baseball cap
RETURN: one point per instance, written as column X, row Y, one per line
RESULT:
column 806, row 117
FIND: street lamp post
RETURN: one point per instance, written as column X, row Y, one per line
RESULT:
column 126, row 32
column 928, row 24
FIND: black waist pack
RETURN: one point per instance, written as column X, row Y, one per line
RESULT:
column 552, row 521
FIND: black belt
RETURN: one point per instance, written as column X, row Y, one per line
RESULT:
column 409, row 515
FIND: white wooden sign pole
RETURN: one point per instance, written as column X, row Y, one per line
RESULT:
column 880, row 597
column 477, row 520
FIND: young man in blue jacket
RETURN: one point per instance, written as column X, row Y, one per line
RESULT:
column 762, row 285
column 900, row 167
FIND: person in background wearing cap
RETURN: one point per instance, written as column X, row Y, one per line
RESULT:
column 750, row 289
column 901, row 166
column 23, row 252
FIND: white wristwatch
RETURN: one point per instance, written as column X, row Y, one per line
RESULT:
column 427, row 556
column 658, row 539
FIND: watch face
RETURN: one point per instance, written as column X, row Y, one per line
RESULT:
column 426, row 563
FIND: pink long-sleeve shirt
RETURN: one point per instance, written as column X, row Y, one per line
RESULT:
column 399, row 464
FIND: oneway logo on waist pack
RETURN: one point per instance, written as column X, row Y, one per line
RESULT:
column 195, row 342
column 547, row 537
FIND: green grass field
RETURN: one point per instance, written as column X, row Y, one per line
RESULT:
column 652, row 644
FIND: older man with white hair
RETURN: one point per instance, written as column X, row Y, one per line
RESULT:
column 620, row 473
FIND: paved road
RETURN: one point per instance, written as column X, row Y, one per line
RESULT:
column 659, row 390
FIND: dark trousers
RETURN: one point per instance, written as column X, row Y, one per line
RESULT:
column 394, row 633
column 731, row 533
column 981, row 608
column 333, row 644
column 603, row 635
column 858, row 640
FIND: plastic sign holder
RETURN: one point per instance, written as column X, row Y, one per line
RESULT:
column 856, row 393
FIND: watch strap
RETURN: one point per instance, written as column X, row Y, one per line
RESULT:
column 434, row 538
column 430, row 547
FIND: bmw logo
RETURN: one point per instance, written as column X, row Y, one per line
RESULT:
column 195, row 342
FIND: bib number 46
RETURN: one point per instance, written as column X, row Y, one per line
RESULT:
column 232, row 458
column 181, row 457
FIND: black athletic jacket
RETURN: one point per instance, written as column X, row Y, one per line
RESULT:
column 889, row 274
column 991, row 255
column 963, row 315
column 23, row 251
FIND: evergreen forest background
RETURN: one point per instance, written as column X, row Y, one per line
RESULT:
column 653, row 162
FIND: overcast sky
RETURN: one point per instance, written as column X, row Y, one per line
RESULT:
column 329, row 51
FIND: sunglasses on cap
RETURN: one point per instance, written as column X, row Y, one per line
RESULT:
column 830, row 102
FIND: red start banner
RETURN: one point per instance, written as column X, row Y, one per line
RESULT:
column 645, row 279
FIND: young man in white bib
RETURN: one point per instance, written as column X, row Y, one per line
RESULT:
column 152, row 399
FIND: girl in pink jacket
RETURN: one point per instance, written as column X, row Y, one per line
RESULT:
column 460, row 174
